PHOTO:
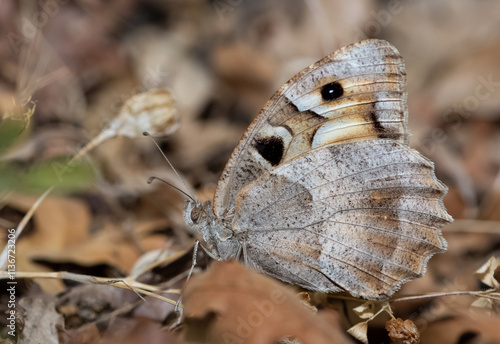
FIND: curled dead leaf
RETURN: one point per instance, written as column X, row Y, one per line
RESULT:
column 366, row 310
column 360, row 332
column 489, row 272
column 483, row 302
column 305, row 298
column 231, row 304
column 402, row 331
column 496, row 274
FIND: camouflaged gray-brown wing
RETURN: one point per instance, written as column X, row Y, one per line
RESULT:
column 362, row 217
column 324, row 192
column 364, row 85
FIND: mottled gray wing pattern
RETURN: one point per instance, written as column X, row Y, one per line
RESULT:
column 362, row 217
column 356, row 93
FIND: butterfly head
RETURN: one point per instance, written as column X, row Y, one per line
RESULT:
column 201, row 216
column 197, row 213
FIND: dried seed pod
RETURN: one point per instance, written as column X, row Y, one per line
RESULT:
column 152, row 111
column 402, row 331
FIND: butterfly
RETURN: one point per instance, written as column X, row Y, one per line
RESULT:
column 323, row 190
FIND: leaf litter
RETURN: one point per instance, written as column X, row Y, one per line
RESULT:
column 101, row 241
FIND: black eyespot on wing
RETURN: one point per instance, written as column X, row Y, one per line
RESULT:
column 332, row 91
column 271, row 149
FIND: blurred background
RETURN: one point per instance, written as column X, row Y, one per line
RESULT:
column 67, row 67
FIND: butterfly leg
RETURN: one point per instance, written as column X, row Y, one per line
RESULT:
column 243, row 250
column 177, row 308
column 193, row 262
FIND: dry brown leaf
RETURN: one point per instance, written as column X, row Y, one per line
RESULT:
column 231, row 304
column 241, row 63
column 461, row 327
column 496, row 274
column 88, row 333
column 59, row 224
column 61, row 235
column 41, row 321
column 109, row 246
column 136, row 330
column 402, row 331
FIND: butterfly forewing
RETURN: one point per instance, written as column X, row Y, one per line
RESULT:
column 356, row 93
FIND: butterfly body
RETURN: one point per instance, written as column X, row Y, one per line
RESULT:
column 323, row 190
column 218, row 236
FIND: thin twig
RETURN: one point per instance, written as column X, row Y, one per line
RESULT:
column 22, row 224
column 124, row 283
column 473, row 226
column 490, row 294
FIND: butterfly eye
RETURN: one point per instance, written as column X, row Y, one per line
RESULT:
column 195, row 214
column 332, row 91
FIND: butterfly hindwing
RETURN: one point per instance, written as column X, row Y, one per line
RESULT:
column 361, row 217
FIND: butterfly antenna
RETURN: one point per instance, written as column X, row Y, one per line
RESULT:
column 171, row 166
column 150, row 180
